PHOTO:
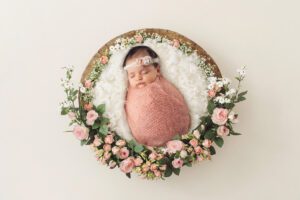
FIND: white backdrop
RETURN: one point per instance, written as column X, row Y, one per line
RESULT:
column 37, row 38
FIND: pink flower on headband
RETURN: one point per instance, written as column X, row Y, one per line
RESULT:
column 138, row 38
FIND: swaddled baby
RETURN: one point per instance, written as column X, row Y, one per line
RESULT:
column 155, row 109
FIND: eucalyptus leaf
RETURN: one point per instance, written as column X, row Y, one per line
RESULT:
column 219, row 141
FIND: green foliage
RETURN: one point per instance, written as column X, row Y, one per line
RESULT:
column 219, row 141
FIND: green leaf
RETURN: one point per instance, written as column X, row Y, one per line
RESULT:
column 96, row 125
column 131, row 144
column 210, row 134
column 242, row 93
column 64, row 111
column 163, row 161
column 103, row 129
column 100, row 108
column 168, row 172
column 189, row 164
column 210, row 107
column 104, row 120
column 212, row 150
column 234, row 133
column 176, row 171
column 219, row 141
column 240, row 99
column 83, row 142
column 138, row 148
column 128, row 175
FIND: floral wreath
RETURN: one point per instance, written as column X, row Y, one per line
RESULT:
column 93, row 129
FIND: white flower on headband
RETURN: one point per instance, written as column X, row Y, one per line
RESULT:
column 146, row 60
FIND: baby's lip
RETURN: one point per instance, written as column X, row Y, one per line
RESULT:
column 140, row 84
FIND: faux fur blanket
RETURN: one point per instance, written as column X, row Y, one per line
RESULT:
column 156, row 112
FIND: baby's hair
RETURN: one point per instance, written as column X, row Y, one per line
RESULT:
column 136, row 49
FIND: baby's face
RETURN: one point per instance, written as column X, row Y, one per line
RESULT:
column 140, row 76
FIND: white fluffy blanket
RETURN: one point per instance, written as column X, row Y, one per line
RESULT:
column 179, row 69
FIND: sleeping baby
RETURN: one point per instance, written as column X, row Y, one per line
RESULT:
column 155, row 109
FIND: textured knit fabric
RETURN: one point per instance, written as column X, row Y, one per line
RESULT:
column 156, row 112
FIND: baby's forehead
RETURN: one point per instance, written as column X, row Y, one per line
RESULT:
column 139, row 68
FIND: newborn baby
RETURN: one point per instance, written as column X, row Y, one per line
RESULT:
column 155, row 109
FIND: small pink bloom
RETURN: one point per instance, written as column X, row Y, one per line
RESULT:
column 72, row 115
column 157, row 173
column 219, row 116
column 198, row 150
column 109, row 139
column 96, row 141
column 217, row 88
column 91, row 116
column 103, row 59
column 193, row 142
column 127, row 165
column 177, row 163
column 196, row 133
column 138, row 38
column 88, row 106
column 199, row 158
column 107, row 155
column 145, row 168
column 176, row 43
column 112, row 164
column 152, row 156
column 153, row 167
column 107, row 147
column 124, row 153
column 88, row 83
column 81, row 132
column 207, row 143
column 174, row 145
column 115, row 150
column 211, row 93
column 222, row 131
column 233, row 117
column 138, row 161
column 120, row 143
column 163, row 167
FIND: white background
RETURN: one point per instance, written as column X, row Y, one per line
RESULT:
column 40, row 161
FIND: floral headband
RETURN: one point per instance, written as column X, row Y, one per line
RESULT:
column 146, row 60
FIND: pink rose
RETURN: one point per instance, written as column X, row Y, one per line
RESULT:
column 115, row 150
column 109, row 139
column 81, row 132
column 91, row 116
column 211, row 93
column 88, row 83
column 193, row 142
column 198, row 150
column 107, row 147
column 138, row 161
column 222, row 131
column 152, row 156
column 176, row 43
column 177, row 163
column 219, row 116
column 127, row 165
column 207, row 143
column 88, row 106
column 174, row 145
column 120, row 143
column 97, row 141
column 103, row 59
column 138, row 38
column 72, row 115
column 124, row 153
column 196, row 133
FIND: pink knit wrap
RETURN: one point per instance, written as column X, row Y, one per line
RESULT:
column 156, row 113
